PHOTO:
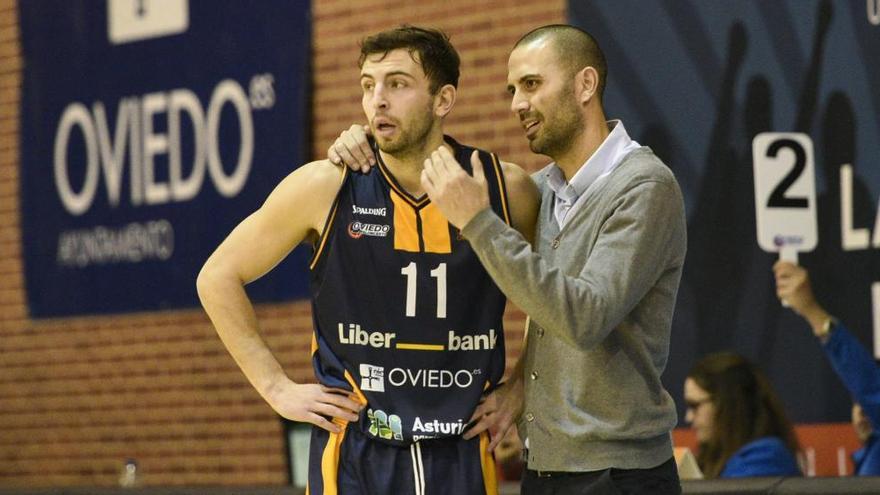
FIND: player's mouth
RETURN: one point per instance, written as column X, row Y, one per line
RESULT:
column 384, row 127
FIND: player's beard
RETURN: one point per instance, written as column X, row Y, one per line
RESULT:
column 412, row 135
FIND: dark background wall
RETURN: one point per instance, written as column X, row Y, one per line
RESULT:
column 696, row 81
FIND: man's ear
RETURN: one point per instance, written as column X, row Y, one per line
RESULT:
column 444, row 100
column 587, row 84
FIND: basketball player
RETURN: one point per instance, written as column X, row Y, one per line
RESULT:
column 408, row 325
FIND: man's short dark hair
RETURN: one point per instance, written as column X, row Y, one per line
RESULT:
column 574, row 47
column 436, row 54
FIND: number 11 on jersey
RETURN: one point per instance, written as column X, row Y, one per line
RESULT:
column 411, row 273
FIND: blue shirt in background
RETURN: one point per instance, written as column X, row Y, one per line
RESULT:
column 766, row 456
column 861, row 376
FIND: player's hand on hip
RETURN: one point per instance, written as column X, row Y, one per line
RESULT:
column 352, row 149
column 458, row 195
column 314, row 403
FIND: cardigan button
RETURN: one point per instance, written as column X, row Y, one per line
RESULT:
column 555, row 243
column 530, row 417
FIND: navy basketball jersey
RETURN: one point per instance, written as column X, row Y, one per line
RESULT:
column 404, row 313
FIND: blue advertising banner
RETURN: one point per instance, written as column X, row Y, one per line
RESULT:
column 698, row 81
column 149, row 129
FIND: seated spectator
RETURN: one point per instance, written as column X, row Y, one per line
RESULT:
column 739, row 421
column 849, row 358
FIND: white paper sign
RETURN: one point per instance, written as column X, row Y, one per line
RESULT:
column 785, row 193
column 133, row 20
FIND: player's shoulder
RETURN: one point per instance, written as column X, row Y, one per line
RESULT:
column 323, row 172
column 318, row 177
column 513, row 171
column 312, row 185
column 518, row 181
column 307, row 193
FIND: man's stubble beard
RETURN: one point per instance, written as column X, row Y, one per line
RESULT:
column 558, row 137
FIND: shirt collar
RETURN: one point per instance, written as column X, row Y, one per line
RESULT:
column 612, row 150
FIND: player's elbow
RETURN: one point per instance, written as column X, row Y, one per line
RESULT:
column 210, row 279
column 204, row 282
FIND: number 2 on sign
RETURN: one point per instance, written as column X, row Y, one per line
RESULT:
column 778, row 198
column 411, row 274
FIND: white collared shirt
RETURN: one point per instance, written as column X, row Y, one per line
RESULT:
column 568, row 196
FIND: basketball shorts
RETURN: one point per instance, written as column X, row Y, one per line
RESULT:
column 351, row 463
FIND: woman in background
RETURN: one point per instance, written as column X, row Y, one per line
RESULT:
column 740, row 424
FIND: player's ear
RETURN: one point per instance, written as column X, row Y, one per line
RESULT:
column 444, row 100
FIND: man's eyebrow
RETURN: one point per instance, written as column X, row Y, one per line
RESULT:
column 393, row 73
column 400, row 73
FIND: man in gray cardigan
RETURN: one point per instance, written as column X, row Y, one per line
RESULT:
column 599, row 288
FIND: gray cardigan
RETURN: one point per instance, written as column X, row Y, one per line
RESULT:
column 600, row 295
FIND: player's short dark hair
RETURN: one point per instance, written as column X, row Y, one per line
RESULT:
column 575, row 49
column 436, row 54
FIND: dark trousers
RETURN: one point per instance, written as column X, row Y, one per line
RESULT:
column 661, row 480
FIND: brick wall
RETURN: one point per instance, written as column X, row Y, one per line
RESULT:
column 79, row 395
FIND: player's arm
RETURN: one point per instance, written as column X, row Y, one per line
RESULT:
column 524, row 200
column 293, row 212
